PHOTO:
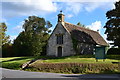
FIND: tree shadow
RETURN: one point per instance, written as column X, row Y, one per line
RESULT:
column 93, row 76
column 71, row 56
column 115, row 57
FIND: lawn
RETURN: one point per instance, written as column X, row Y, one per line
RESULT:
column 82, row 64
column 80, row 59
column 16, row 62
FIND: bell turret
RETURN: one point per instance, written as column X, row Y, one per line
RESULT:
column 61, row 17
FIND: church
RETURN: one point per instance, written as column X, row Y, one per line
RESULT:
column 68, row 39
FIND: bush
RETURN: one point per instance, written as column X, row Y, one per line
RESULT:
column 75, row 67
column 7, row 50
column 116, row 57
column 114, row 51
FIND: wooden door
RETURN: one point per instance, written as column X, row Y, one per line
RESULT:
column 59, row 51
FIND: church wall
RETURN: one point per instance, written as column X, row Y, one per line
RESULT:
column 67, row 46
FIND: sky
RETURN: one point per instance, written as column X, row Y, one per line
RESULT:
column 91, row 13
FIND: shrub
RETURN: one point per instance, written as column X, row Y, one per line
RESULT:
column 116, row 57
column 7, row 50
column 114, row 51
column 75, row 67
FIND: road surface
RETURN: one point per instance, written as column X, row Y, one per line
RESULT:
column 7, row 73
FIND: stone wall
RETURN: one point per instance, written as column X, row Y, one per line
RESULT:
column 67, row 46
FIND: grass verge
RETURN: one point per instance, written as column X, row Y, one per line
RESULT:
column 16, row 62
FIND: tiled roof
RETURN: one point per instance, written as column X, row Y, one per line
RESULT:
column 85, row 35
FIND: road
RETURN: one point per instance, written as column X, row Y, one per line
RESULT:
column 7, row 73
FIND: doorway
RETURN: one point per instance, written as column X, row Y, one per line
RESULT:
column 59, row 51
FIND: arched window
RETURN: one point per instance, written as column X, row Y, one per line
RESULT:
column 59, row 39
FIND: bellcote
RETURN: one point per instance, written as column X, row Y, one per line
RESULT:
column 61, row 17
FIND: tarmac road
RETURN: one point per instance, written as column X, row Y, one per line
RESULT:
column 10, row 74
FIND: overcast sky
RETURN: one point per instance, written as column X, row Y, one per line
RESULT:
column 89, row 12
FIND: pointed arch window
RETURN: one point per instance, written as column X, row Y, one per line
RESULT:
column 59, row 39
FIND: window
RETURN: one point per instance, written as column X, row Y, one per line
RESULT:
column 59, row 39
column 59, row 18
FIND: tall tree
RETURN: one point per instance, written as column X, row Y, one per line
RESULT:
column 5, row 42
column 4, row 37
column 33, row 40
column 81, row 25
column 113, row 25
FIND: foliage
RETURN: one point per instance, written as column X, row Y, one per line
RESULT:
column 22, row 45
column 81, row 25
column 33, row 40
column 6, row 43
column 75, row 44
column 4, row 37
column 7, row 50
column 74, row 68
column 113, row 25
column 115, row 57
column 115, row 51
column 36, row 24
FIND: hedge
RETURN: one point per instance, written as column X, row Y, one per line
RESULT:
column 115, row 51
column 116, row 57
column 74, row 68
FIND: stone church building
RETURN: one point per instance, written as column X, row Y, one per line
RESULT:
column 69, row 39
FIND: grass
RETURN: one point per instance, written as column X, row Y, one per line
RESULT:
column 58, row 65
column 16, row 62
column 77, row 59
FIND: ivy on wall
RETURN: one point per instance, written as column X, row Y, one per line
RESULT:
column 75, row 44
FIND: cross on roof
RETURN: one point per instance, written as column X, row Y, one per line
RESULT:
column 61, row 11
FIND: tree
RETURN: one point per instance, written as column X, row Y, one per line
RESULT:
column 33, row 40
column 22, row 44
column 113, row 25
column 7, row 50
column 4, row 37
column 81, row 25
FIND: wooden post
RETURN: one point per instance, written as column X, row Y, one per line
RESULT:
column 96, row 60
column 103, row 59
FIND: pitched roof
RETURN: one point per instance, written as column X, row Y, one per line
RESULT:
column 80, row 34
